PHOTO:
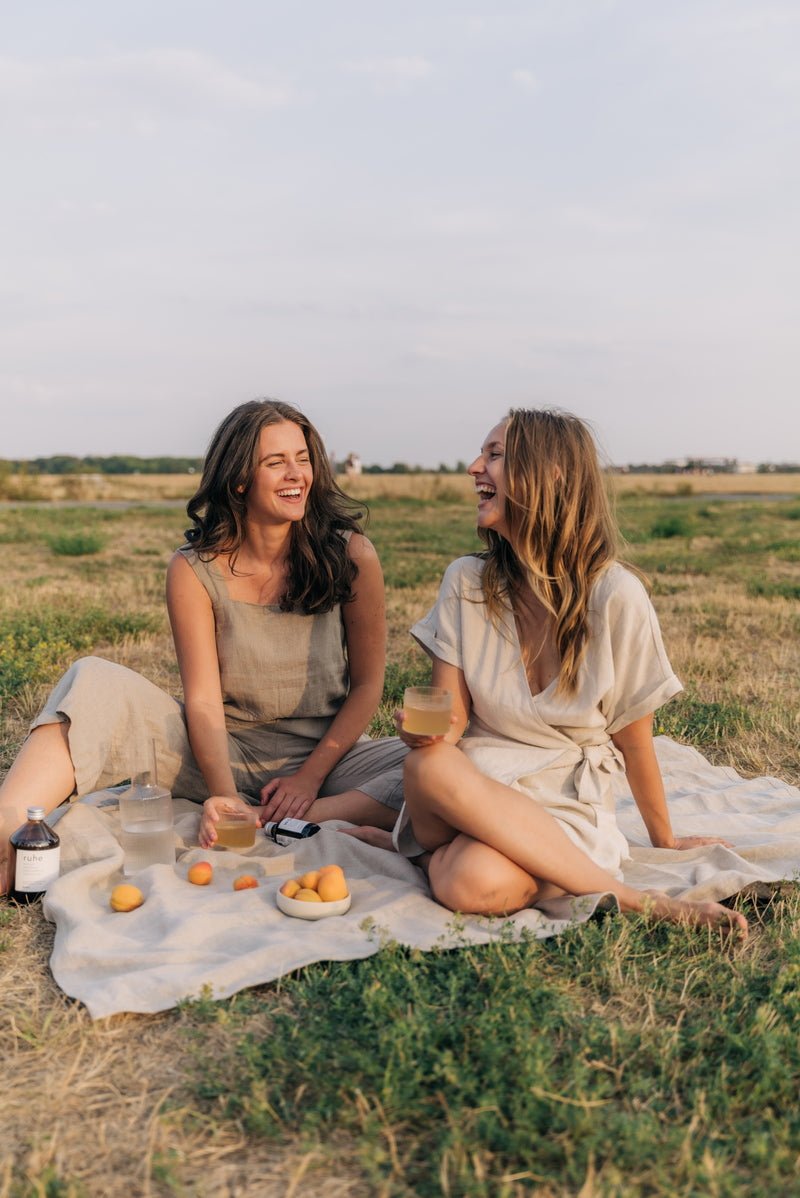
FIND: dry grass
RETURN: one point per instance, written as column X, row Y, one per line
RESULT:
column 730, row 648
column 100, row 1108
column 125, row 1078
column 151, row 488
column 706, row 484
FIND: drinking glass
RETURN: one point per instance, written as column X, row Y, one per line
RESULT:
column 426, row 710
column 237, row 830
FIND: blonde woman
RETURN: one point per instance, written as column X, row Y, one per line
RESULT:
column 553, row 654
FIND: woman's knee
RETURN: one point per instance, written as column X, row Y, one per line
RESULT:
column 473, row 878
column 429, row 771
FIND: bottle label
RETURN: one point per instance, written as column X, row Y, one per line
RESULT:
column 36, row 869
column 292, row 827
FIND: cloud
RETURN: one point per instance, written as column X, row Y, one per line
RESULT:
column 392, row 73
column 605, row 223
column 524, row 80
column 142, row 87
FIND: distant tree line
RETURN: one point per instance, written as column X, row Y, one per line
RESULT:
column 115, row 464
column 404, row 468
column 129, row 464
column 707, row 466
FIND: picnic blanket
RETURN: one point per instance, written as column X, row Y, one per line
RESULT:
column 186, row 940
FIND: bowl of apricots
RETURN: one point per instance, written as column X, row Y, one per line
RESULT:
column 316, row 894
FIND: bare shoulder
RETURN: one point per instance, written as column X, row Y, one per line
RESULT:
column 178, row 567
column 360, row 549
column 181, row 578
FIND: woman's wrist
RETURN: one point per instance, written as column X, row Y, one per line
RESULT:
column 306, row 781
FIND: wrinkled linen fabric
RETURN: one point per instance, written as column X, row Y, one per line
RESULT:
column 554, row 746
column 186, row 940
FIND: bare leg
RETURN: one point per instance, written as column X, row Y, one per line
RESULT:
column 42, row 775
column 379, row 838
column 353, row 806
column 446, row 794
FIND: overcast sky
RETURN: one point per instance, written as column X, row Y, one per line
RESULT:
column 403, row 217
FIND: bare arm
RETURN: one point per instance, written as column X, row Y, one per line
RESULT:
column 635, row 743
column 192, row 619
column 365, row 633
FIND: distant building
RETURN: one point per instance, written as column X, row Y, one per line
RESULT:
column 352, row 465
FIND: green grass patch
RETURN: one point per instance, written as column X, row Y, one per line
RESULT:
column 76, row 544
column 701, row 723
column 462, row 1072
column 671, row 526
column 774, row 590
column 417, row 544
column 35, row 646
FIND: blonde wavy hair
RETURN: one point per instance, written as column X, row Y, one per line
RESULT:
column 562, row 533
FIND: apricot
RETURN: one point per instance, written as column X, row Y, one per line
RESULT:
column 290, row 888
column 201, row 873
column 307, row 895
column 126, row 898
column 326, row 869
column 309, row 881
column 245, row 882
column 332, row 886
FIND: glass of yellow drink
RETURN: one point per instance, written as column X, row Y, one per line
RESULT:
column 237, row 830
column 426, row 710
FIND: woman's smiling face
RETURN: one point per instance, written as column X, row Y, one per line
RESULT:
column 283, row 476
column 488, row 473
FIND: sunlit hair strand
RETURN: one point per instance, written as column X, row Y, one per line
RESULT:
column 562, row 533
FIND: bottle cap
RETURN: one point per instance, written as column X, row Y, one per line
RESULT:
column 36, row 813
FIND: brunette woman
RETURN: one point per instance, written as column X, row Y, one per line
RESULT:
column 277, row 611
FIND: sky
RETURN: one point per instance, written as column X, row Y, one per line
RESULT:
column 403, row 218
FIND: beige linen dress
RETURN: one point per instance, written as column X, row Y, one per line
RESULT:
column 284, row 677
column 554, row 746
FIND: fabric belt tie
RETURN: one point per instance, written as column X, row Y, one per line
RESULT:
column 598, row 762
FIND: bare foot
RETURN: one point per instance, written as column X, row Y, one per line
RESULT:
column 699, row 914
column 379, row 838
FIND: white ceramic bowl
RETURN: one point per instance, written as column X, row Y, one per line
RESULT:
column 311, row 910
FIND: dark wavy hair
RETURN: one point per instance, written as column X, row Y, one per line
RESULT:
column 320, row 573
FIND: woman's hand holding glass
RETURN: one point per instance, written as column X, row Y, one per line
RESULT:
column 215, row 809
column 426, row 716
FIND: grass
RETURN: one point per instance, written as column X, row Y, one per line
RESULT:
column 490, row 1071
column 78, row 544
column 41, row 643
column 616, row 1060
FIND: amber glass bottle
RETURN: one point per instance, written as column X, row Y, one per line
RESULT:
column 38, row 857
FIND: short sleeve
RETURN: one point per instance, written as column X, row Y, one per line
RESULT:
column 440, row 632
column 642, row 679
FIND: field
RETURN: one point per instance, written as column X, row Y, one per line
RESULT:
column 616, row 1060
column 146, row 488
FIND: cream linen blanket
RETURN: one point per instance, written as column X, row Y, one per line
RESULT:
column 186, row 938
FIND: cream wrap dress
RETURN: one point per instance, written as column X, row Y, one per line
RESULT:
column 284, row 677
column 555, row 747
